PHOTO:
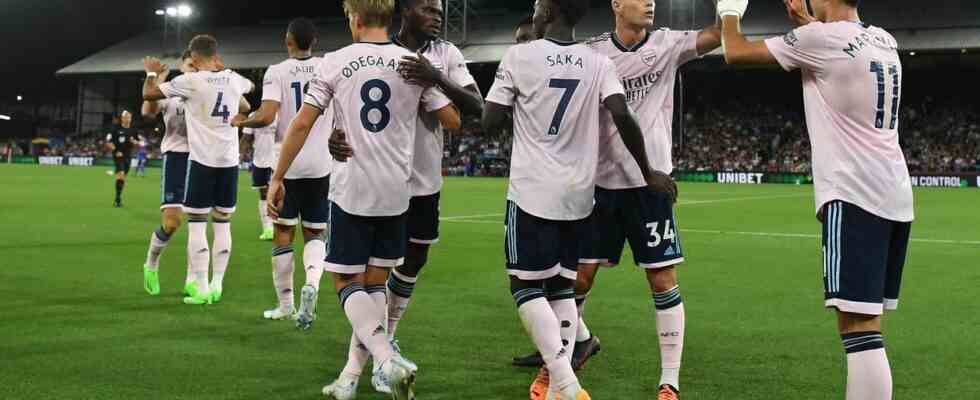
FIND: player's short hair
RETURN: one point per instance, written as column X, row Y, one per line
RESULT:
column 406, row 4
column 852, row 3
column 303, row 31
column 375, row 13
column 185, row 55
column 204, row 45
column 573, row 10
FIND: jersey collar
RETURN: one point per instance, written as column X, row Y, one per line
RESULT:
column 561, row 42
column 424, row 48
column 637, row 46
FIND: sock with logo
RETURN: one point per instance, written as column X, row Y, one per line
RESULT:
column 314, row 251
column 542, row 325
column 400, row 287
column 869, row 376
column 670, row 329
column 282, row 276
column 198, row 251
column 158, row 241
column 220, row 252
column 366, row 321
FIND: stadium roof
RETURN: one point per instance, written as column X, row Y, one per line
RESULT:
column 943, row 28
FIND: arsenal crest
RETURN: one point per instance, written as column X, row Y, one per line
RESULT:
column 648, row 57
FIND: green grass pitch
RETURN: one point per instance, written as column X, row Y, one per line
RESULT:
column 76, row 324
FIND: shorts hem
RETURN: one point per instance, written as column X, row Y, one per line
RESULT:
column 856, row 307
column 315, row 225
column 662, row 264
column 286, row 221
column 423, row 241
column 593, row 260
column 195, row 210
column 344, row 269
column 385, row 262
column 260, row 187
column 171, row 205
column 543, row 274
column 225, row 210
column 891, row 304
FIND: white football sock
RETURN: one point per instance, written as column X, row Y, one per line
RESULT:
column 542, row 325
column 583, row 332
column 314, row 251
column 220, row 253
column 158, row 241
column 400, row 289
column 198, row 253
column 869, row 376
column 567, row 315
column 362, row 312
column 264, row 215
column 670, row 330
column 282, row 276
column 357, row 356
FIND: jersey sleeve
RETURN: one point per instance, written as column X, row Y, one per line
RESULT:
column 609, row 84
column 434, row 99
column 800, row 48
column 162, row 105
column 684, row 46
column 322, row 86
column 180, row 86
column 271, row 87
column 243, row 84
column 457, row 70
column 504, row 90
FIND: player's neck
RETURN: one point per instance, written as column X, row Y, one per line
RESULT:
column 560, row 32
column 630, row 35
column 300, row 54
column 409, row 40
column 374, row 35
column 209, row 65
column 843, row 13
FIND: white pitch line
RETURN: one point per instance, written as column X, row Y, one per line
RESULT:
column 681, row 203
column 764, row 234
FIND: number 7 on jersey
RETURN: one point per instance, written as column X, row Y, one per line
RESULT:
column 569, row 86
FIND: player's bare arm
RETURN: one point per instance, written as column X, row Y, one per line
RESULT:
column 632, row 135
column 709, row 38
column 495, row 118
column 449, row 117
column 295, row 138
column 264, row 116
column 419, row 70
column 150, row 109
column 738, row 49
column 151, row 86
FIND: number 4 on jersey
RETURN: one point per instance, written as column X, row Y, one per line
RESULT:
column 221, row 110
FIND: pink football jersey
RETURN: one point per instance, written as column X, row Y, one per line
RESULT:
column 556, row 90
column 852, row 80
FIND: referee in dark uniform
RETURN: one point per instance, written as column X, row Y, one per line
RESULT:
column 120, row 142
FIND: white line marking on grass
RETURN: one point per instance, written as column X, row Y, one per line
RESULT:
column 680, row 203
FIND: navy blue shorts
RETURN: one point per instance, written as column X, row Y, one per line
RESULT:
column 260, row 177
column 640, row 216
column 172, row 179
column 207, row 187
column 122, row 164
column 863, row 258
column 538, row 248
column 306, row 198
column 423, row 219
column 356, row 241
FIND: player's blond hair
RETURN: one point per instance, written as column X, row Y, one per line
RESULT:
column 374, row 13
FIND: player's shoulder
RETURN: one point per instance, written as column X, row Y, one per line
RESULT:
column 443, row 46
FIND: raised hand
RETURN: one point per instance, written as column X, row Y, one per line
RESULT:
column 153, row 64
column 732, row 7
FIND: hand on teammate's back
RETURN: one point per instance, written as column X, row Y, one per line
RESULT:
column 662, row 183
column 339, row 148
column 418, row 70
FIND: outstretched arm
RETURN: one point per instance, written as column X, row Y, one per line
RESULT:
column 151, row 86
column 264, row 116
column 295, row 138
column 495, row 118
column 709, row 38
column 632, row 135
column 738, row 49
